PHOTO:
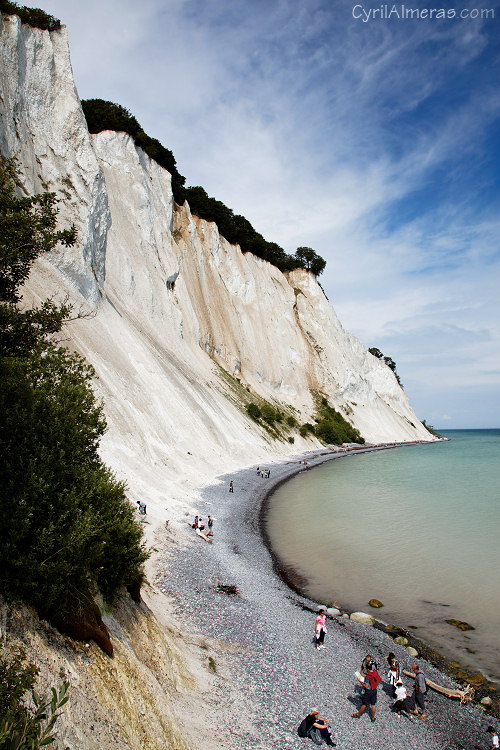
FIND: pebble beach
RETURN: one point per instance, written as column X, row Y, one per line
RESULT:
column 273, row 673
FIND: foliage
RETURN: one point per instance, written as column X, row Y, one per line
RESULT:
column 311, row 260
column 104, row 115
column 31, row 16
column 23, row 727
column 253, row 411
column 388, row 361
column 304, row 429
column 27, row 229
column 331, row 426
column 431, row 429
column 68, row 528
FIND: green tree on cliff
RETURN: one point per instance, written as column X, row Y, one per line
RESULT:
column 310, row 260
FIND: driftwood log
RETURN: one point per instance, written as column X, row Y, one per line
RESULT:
column 464, row 696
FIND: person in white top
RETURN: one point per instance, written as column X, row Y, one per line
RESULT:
column 400, row 706
column 494, row 743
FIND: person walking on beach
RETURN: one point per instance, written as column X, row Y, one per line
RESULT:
column 393, row 674
column 231, row 486
column 419, row 692
column 320, row 628
column 494, row 743
column 369, row 696
column 210, row 524
column 316, row 728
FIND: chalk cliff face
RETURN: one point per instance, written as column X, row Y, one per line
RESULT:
column 180, row 327
column 171, row 301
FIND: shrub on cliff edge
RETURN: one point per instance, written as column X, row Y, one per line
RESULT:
column 30, row 16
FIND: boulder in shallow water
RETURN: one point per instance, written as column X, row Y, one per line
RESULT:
column 375, row 603
column 460, row 624
column 401, row 640
column 412, row 651
column 333, row 611
column 486, row 701
column 363, row 618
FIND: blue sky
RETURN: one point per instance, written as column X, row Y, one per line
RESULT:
column 376, row 143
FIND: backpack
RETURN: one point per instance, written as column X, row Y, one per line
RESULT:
column 374, row 679
column 301, row 729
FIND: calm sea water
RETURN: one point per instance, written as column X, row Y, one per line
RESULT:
column 417, row 527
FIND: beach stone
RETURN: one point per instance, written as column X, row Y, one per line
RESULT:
column 363, row 618
column 333, row 611
column 412, row 651
column 375, row 603
column 486, row 701
column 401, row 640
column 460, row 624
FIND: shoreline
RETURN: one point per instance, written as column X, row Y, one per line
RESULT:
column 260, row 639
column 297, row 583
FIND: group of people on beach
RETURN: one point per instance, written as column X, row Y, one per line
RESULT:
column 199, row 525
column 263, row 473
column 317, row 728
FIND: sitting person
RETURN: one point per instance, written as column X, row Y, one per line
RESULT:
column 316, row 728
column 400, row 705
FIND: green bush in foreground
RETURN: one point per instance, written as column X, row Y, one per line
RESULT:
column 68, row 530
column 23, row 727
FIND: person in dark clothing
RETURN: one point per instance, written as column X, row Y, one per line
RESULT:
column 419, row 692
column 369, row 697
column 316, row 728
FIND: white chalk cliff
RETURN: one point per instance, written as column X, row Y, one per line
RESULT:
column 179, row 324
column 171, row 298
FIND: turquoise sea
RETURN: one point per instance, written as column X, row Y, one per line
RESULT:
column 417, row 527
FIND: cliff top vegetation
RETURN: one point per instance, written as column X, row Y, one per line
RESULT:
column 104, row 115
column 32, row 16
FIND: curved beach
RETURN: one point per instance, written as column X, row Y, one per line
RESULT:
column 260, row 640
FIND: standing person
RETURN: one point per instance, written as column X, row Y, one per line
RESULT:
column 320, row 628
column 367, row 665
column 393, row 674
column 419, row 692
column 316, row 728
column 231, row 486
column 210, row 524
column 369, row 696
column 494, row 743
column 195, row 522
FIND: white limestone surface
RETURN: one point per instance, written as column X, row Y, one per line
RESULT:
column 172, row 300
